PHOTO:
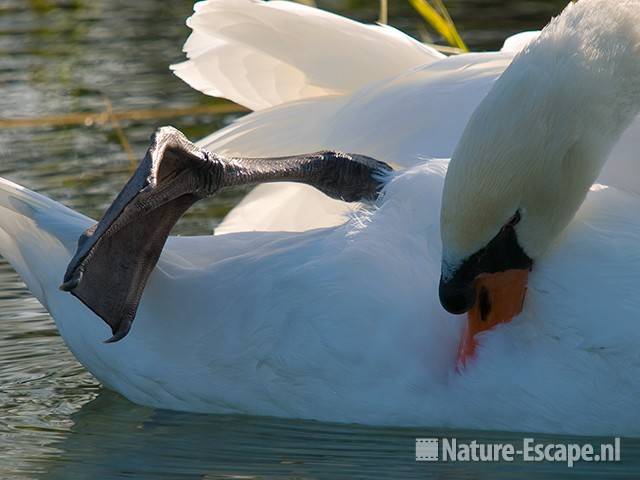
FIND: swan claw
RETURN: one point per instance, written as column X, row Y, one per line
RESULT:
column 73, row 282
column 120, row 332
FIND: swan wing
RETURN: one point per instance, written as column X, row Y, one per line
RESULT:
column 404, row 121
column 519, row 41
column 622, row 169
column 260, row 54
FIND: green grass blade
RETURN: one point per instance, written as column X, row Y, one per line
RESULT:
column 439, row 19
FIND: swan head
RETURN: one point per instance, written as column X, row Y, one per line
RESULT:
column 530, row 152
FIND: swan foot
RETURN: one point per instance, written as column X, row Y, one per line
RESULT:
column 115, row 257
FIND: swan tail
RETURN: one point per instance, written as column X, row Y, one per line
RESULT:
column 37, row 237
column 261, row 54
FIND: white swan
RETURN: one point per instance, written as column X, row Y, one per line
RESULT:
column 343, row 323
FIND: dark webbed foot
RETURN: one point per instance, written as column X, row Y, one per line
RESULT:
column 115, row 257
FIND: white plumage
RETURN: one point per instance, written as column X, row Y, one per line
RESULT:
column 343, row 323
column 261, row 55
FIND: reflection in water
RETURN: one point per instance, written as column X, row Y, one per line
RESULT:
column 61, row 56
column 112, row 438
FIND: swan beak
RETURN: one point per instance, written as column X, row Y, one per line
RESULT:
column 499, row 298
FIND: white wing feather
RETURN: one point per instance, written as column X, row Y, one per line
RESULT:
column 403, row 121
column 261, row 54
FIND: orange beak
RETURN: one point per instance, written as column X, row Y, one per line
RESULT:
column 499, row 298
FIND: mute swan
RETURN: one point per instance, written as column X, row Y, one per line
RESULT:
column 239, row 322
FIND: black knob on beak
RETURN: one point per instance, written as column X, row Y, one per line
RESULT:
column 457, row 297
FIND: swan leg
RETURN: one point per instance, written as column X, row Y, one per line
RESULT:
column 115, row 257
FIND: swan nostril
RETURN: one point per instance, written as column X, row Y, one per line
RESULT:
column 484, row 303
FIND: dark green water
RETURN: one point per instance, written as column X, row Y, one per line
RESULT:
column 56, row 421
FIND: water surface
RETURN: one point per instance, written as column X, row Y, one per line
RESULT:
column 56, row 421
